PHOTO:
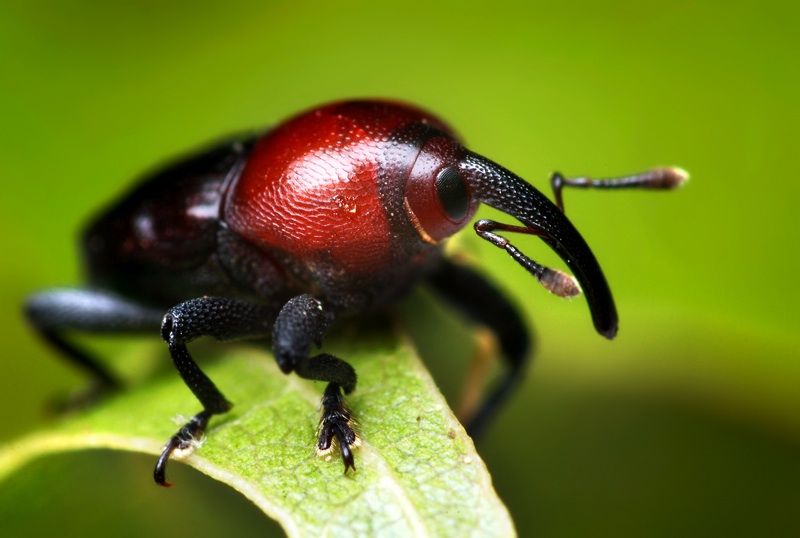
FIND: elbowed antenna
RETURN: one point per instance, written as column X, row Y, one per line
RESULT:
column 498, row 187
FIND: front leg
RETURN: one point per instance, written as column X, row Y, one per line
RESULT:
column 223, row 319
column 303, row 321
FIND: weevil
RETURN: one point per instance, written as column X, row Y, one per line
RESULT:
column 339, row 210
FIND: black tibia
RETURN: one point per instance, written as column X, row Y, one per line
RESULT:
column 220, row 318
column 657, row 178
column 303, row 321
column 54, row 312
column 482, row 303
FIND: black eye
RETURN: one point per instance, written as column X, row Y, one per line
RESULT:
column 452, row 193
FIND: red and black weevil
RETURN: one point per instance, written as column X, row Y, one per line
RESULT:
column 339, row 210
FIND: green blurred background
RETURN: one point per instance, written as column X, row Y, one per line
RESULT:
column 688, row 423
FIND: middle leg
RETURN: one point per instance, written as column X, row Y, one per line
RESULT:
column 303, row 321
column 220, row 318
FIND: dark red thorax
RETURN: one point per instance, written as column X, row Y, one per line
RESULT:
column 316, row 186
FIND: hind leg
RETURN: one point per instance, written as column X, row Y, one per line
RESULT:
column 483, row 304
column 52, row 313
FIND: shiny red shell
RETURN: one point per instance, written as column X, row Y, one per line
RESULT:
column 311, row 186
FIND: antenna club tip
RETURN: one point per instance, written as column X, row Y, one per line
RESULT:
column 672, row 177
column 559, row 283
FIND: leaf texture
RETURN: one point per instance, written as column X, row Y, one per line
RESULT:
column 417, row 471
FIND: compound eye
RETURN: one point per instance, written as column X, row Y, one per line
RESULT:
column 452, row 193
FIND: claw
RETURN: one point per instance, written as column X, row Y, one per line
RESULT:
column 325, row 441
column 160, row 471
column 336, row 425
column 185, row 438
column 347, row 457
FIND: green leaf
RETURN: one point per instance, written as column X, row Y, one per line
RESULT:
column 417, row 471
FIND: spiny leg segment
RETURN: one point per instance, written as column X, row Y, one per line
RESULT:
column 303, row 321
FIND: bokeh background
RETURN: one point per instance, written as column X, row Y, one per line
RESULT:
column 687, row 424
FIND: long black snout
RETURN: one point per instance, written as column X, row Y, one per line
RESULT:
column 496, row 186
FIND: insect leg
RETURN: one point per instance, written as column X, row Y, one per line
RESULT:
column 657, row 178
column 220, row 318
column 476, row 298
column 54, row 312
column 304, row 320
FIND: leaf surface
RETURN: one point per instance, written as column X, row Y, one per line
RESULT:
column 417, row 470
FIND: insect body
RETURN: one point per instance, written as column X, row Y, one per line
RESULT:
column 337, row 211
